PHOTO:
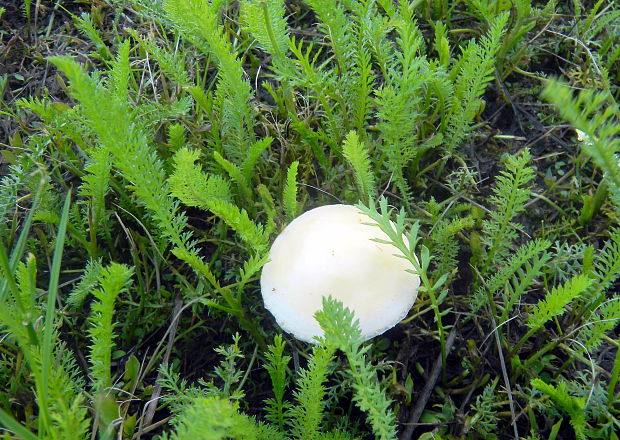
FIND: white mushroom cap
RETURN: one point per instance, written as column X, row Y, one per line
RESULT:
column 328, row 251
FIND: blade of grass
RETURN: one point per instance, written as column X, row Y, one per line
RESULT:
column 8, row 273
column 18, row 250
column 50, row 314
column 9, row 423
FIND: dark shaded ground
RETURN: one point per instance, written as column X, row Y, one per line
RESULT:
column 24, row 48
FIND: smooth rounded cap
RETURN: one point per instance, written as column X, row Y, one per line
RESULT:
column 329, row 251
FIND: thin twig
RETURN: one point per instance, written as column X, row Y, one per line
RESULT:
column 582, row 44
column 505, row 376
column 425, row 395
column 151, row 406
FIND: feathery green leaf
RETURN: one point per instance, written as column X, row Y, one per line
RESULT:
column 356, row 152
column 289, row 195
column 555, row 301
column 114, row 280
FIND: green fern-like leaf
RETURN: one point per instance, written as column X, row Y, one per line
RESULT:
column 235, row 174
column 84, row 23
column 322, row 82
column 253, row 156
column 212, row 418
column 472, row 72
column 266, row 21
column 211, row 192
column 555, row 301
column 597, row 115
column 532, row 250
column 88, row 281
column 516, row 276
column 441, row 43
column 25, row 276
column 114, row 280
column 406, row 241
column 607, row 270
column 9, row 185
column 342, row 332
column 176, row 136
column 603, row 320
column 573, row 406
column 445, row 246
column 289, row 195
column 171, row 64
column 96, row 185
column 192, row 186
column 399, row 101
column 377, row 31
column 65, row 414
column 198, row 22
column 370, row 30
column 524, row 277
column 336, row 27
column 119, row 132
column 362, row 104
column 306, row 416
column 509, row 196
column 120, row 73
column 250, row 268
column 276, row 364
column 356, row 152
column 238, row 220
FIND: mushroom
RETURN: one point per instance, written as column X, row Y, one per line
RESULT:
column 330, row 251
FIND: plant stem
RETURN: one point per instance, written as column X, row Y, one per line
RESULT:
column 615, row 375
column 440, row 327
column 515, row 349
column 272, row 37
